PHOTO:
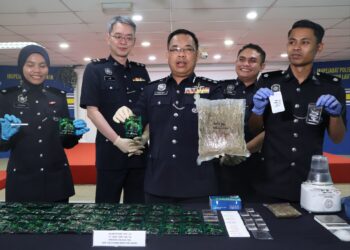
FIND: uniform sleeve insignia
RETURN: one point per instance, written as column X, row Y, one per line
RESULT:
column 327, row 77
column 138, row 64
column 273, row 74
column 99, row 60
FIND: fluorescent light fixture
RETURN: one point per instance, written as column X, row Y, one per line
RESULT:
column 252, row 15
column 64, row 45
column 116, row 7
column 145, row 44
column 16, row 45
column 137, row 18
column 228, row 42
column 87, row 59
column 152, row 58
column 217, row 56
column 284, row 55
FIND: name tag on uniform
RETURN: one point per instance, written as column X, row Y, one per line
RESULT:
column 197, row 90
column 109, row 78
column 138, row 79
column 276, row 102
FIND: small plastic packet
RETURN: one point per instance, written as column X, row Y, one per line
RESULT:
column 283, row 210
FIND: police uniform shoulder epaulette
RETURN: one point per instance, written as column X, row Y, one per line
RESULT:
column 207, row 79
column 161, row 80
column 227, row 81
column 272, row 74
column 327, row 78
column 138, row 64
column 55, row 90
column 6, row 88
column 99, row 60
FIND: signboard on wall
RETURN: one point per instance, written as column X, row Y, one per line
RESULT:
column 340, row 69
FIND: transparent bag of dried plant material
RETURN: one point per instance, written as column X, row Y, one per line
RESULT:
column 220, row 128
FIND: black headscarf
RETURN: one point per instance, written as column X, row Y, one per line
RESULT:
column 26, row 52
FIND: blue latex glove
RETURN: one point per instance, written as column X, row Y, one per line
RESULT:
column 330, row 104
column 261, row 99
column 6, row 129
column 80, row 127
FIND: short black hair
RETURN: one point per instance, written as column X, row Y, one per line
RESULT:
column 185, row 32
column 318, row 29
column 254, row 47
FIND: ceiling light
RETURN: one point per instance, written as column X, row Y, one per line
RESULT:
column 152, row 58
column 87, row 59
column 284, row 55
column 145, row 44
column 252, row 15
column 137, row 18
column 119, row 7
column 16, row 45
column 228, row 42
column 64, row 45
column 217, row 56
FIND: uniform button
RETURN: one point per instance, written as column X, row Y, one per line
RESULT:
column 36, row 101
column 38, row 113
column 39, row 127
column 42, row 169
column 295, row 135
column 110, row 87
column 243, row 92
column 55, row 111
column 141, row 89
column 173, row 141
column 125, row 76
column 176, row 102
column 159, row 102
column 176, row 114
column 175, row 128
column 173, row 156
column 295, row 120
column 106, row 140
column 14, row 170
column 40, row 141
column 292, row 164
column 127, row 88
column 41, row 155
column 296, row 106
column 294, row 149
column 177, row 91
column 130, row 100
column 298, row 89
column 66, row 164
column 21, row 113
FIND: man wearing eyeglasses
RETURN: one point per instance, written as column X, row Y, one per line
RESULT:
column 237, row 172
column 108, row 84
column 172, row 174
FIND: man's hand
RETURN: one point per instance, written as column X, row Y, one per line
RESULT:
column 8, row 130
column 122, row 114
column 128, row 145
column 261, row 99
column 80, row 127
column 232, row 160
column 330, row 104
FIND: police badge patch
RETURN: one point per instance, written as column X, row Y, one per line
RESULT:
column 108, row 71
column 275, row 87
column 161, row 89
column 230, row 89
column 22, row 101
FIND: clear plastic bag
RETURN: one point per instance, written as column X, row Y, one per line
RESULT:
column 220, row 128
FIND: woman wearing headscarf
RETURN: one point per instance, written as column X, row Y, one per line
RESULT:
column 30, row 116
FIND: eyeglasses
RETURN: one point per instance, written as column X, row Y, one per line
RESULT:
column 119, row 38
column 177, row 50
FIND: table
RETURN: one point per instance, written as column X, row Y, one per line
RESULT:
column 300, row 233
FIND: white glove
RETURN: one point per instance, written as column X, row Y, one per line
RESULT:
column 232, row 160
column 122, row 114
column 127, row 145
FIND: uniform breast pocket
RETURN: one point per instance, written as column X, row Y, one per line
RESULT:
column 160, row 108
column 191, row 110
column 111, row 91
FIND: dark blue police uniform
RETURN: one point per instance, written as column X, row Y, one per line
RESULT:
column 289, row 141
column 108, row 85
column 38, row 169
column 236, row 180
column 169, row 109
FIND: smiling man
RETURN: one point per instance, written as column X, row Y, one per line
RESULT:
column 172, row 174
column 108, row 84
column 313, row 102
column 237, row 180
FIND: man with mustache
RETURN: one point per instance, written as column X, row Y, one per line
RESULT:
column 172, row 175
column 313, row 102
